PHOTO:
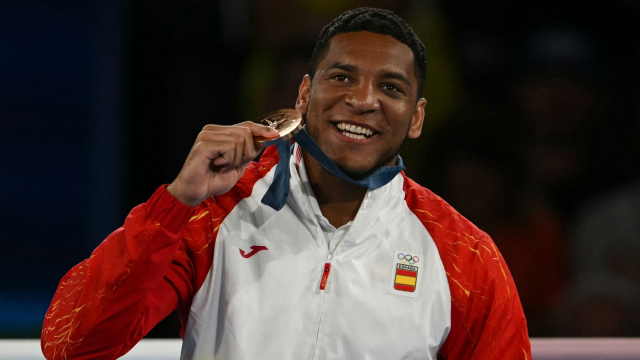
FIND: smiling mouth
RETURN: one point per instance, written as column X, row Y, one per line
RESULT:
column 354, row 131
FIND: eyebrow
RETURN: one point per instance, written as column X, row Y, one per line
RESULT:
column 385, row 75
column 341, row 66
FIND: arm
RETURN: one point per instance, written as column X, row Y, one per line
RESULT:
column 134, row 279
column 141, row 272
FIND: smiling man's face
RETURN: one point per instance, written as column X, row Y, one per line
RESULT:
column 361, row 103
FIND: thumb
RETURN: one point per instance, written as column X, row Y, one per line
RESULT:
column 268, row 132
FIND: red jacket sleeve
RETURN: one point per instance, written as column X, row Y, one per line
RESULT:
column 134, row 279
column 487, row 321
column 156, row 262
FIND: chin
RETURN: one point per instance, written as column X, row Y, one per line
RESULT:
column 357, row 173
column 359, row 169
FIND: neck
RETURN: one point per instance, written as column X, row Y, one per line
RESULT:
column 339, row 200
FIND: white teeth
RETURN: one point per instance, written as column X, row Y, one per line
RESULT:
column 354, row 136
column 353, row 130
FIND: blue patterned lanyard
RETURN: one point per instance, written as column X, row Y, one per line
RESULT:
column 278, row 191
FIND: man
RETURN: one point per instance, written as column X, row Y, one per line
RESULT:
column 339, row 272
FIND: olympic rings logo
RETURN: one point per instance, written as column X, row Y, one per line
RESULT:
column 408, row 259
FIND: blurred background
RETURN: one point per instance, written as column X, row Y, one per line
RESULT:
column 532, row 132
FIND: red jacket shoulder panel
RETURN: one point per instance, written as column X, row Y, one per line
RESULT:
column 487, row 320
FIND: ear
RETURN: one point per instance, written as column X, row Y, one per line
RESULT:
column 418, row 118
column 302, row 103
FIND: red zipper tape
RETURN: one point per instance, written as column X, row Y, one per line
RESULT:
column 325, row 276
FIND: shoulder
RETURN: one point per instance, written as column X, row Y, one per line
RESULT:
column 486, row 315
column 470, row 258
column 429, row 207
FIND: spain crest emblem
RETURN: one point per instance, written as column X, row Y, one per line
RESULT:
column 405, row 273
column 406, row 278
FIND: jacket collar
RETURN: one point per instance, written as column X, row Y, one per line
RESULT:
column 379, row 205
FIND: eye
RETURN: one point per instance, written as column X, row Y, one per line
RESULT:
column 340, row 77
column 392, row 87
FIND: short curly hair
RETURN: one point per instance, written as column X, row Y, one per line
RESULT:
column 377, row 21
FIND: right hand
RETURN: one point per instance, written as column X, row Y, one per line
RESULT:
column 217, row 161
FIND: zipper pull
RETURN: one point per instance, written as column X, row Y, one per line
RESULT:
column 325, row 276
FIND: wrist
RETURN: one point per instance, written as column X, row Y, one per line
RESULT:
column 173, row 189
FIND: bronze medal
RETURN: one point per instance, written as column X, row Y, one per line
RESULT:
column 286, row 121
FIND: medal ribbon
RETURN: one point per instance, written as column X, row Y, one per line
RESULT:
column 276, row 195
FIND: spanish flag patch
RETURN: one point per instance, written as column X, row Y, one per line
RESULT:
column 406, row 278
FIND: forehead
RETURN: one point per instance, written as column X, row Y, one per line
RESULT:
column 369, row 51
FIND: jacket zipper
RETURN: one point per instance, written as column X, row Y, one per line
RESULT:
column 323, row 284
column 325, row 274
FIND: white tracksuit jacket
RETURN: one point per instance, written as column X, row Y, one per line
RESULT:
column 410, row 279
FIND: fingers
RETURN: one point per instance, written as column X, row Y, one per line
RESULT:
column 217, row 150
column 221, row 149
column 227, row 150
column 259, row 129
column 247, row 130
column 241, row 135
column 255, row 128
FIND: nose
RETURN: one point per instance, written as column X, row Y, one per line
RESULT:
column 363, row 98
